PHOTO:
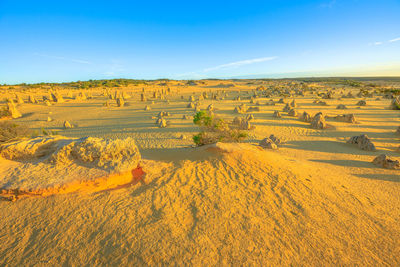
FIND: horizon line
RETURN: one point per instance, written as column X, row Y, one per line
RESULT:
column 227, row 78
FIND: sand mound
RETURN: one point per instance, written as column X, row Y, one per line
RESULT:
column 242, row 205
column 48, row 163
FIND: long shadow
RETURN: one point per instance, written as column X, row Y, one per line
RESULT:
column 176, row 154
column 130, row 128
column 27, row 115
column 348, row 163
column 383, row 177
column 280, row 123
column 380, row 115
column 328, row 147
column 378, row 127
column 347, row 134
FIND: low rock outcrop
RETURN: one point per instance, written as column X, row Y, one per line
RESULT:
column 363, row 142
column 386, row 162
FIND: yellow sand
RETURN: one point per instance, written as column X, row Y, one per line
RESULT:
column 243, row 207
column 315, row 201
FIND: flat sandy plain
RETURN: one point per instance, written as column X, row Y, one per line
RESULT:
column 314, row 201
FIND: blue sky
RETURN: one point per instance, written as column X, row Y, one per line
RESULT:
column 79, row 40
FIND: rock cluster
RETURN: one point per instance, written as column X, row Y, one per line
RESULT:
column 270, row 142
column 32, row 99
column 241, row 123
column 241, row 109
column 350, row 118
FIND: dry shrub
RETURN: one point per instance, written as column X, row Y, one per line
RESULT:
column 10, row 131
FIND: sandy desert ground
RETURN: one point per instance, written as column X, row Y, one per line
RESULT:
column 316, row 200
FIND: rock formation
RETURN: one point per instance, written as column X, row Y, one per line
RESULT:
column 385, row 162
column 277, row 114
column 12, row 110
column 318, row 122
column 363, row 142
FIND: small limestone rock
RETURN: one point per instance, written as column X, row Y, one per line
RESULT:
column 162, row 123
column 241, row 109
column 253, row 109
column 19, row 99
column 191, row 105
column 361, row 103
column 318, row 122
column 305, row 117
column 268, row 143
column 242, row 124
column 12, row 110
column 32, row 99
column 81, row 96
column 57, row 98
column 250, row 117
column 350, row 118
column 277, row 114
column 120, row 102
column 385, row 162
column 292, row 112
column 67, row 125
column 363, row 142
column 287, row 108
column 275, row 139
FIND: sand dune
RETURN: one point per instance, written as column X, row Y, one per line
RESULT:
column 316, row 200
column 244, row 206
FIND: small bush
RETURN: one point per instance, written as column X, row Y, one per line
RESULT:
column 10, row 131
column 214, row 129
column 4, row 112
column 395, row 104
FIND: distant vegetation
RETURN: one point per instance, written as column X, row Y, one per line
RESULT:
column 87, row 84
column 357, row 82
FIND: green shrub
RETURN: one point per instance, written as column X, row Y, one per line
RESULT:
column 214, row 129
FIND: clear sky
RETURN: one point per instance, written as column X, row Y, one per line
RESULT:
column 73, row 40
